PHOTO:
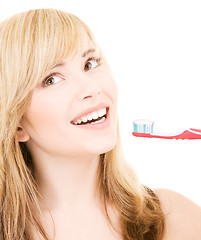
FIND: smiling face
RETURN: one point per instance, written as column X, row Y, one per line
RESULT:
column 73, row 110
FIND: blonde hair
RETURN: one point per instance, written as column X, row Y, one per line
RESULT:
column 31, row 43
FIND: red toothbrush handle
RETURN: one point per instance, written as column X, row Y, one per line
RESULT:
column 184, row 135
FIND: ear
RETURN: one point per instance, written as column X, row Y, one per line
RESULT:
column 22, row 135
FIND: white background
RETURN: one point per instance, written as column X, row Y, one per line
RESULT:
column 154, row 50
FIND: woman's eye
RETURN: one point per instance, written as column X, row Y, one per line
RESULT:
column 91, row 63
column 52, row 79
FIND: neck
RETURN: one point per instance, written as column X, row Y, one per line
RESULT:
column 67, row 183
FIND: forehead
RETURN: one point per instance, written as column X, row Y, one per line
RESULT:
column 86, row 40
column 86, row 47
column 67, row 49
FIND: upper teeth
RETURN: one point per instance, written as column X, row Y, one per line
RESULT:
column 93, row 115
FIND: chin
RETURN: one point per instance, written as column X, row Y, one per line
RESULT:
column 103, row 146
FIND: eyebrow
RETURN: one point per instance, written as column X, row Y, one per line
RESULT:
column 58, row 65
column 91, row 50
column 88, row 51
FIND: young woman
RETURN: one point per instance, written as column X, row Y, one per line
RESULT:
column 62, row 173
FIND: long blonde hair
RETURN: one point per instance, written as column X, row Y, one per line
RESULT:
column 31, row 43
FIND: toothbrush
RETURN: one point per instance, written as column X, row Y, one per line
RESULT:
column 144, row 128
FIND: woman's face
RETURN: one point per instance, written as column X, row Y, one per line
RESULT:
column 79, row 89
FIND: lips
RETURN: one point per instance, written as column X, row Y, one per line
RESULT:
column 91, row 114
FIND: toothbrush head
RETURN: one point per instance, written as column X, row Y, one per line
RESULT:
column 143, row 126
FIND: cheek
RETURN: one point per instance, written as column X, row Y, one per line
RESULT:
column 110, row 87
column 43, row 113
column 114, row 91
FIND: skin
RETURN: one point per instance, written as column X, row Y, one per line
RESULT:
column 66, row 156
column 183, row 217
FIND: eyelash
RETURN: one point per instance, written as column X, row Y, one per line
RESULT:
column 98, row 61
column 54, row 74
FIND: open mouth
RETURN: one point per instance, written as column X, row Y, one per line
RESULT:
column 92, row 118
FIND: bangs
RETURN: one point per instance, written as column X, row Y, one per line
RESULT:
column 32, row 43
column 58, row 35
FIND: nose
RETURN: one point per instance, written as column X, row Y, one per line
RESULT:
column 88, row 89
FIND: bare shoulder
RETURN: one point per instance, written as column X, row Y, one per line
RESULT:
column 183, row 217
